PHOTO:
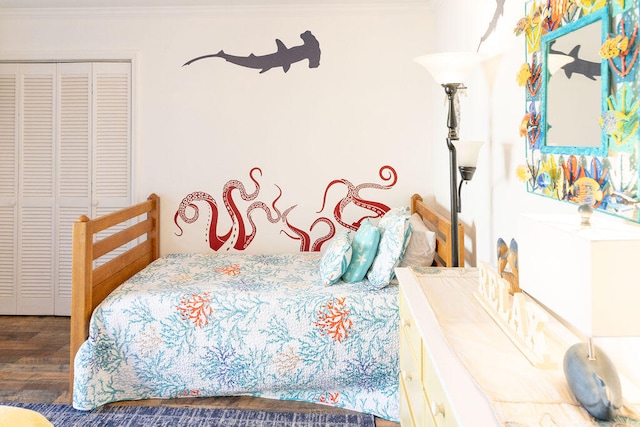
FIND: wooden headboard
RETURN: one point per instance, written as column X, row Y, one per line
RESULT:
column 442, row 225
column 91, row 284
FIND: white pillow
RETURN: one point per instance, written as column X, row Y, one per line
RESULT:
column 422, row 244
column 335, row 258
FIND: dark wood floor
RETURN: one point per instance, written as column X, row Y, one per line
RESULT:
column 34, row 368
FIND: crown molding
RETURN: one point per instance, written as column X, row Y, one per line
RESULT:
column 222, row 7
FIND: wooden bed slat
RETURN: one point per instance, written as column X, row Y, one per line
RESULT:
column 121, row 238
column 100, row 274
column 102, row 223
column 110, row 283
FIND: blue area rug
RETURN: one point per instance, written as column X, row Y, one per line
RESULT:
column 159, row 416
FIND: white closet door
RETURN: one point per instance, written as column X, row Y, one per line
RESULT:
column 8, row 186
column 112, row 136
column 112, row 140
column 65, row 149
column 36, row 248
column 74, row 169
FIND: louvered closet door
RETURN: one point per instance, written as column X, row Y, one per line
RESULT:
column 112, row 140
column 8, row 186
column 36, row 189
column 65, row 151
column 74, row 169
column 112, row 136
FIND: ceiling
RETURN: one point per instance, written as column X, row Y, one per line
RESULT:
column 28, row 4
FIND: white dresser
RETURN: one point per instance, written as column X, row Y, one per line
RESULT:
column 435, row 388
column 458, row 368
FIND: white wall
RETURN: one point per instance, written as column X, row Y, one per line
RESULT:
column 200, row 126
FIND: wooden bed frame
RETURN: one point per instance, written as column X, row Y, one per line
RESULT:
column 442, row 226
column 91, row 284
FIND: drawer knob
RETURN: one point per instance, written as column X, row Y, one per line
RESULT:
column 437, row 408
column 405, row 323
column 406, row 376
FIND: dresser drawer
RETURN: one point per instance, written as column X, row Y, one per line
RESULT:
column 411, row 387
column 408, row 326
column 439, row 407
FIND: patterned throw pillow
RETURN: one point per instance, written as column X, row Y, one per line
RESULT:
column 364, row 247
column 395, row 230
column 335, row 258
column 421, row 248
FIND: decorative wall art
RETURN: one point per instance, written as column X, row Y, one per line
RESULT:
column 243, row 227
column 283, row 57
column 581, row 109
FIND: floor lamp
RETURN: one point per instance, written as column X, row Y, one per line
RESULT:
column 450, row 70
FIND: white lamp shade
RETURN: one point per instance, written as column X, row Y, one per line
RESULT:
column 467, row 152
column 450, row 67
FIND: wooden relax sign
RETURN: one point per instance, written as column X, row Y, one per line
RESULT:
column 521, row 319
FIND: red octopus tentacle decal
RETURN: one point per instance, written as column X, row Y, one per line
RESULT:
column 243, row 228
column 267, row 210
column 238, row 234
column 337, row 210
column 378, row 208
column 303, row 236
column 353, row 196
column 320, row 241
column 215, row 241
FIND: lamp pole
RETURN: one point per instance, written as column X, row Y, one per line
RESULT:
column 451, row 89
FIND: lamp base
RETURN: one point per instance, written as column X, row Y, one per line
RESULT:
column 593, row 381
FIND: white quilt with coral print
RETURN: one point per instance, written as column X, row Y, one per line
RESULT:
column 227, row 324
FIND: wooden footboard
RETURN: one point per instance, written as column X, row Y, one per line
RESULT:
column 90, row 284
column 442, row 225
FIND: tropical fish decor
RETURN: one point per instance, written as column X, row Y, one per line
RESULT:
column 559, row 38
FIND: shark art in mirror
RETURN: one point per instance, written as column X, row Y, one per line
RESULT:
column 580, row 121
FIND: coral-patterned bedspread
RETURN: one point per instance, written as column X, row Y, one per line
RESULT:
column 227, row 324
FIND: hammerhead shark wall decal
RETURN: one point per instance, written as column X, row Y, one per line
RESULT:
column 283, row 57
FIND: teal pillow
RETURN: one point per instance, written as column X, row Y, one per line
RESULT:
column 335, row 258
column 364, row 247
column 395, row 231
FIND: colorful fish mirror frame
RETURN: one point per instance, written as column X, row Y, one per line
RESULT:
column 578, row 51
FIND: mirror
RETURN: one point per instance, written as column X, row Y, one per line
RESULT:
column 574, row 72
column 581, row 111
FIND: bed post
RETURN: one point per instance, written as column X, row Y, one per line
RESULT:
column 81, row 286
column 154, row 234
